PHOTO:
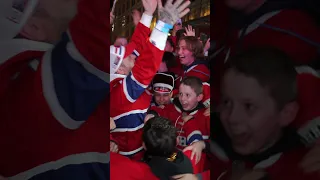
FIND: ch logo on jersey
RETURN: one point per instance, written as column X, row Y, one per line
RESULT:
column 182, row 141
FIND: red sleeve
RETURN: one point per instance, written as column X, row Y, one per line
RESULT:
column 90, row 32
column 139, row 38
column 300, row 50
column 206, row 94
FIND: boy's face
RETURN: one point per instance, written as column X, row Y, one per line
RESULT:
column 162, row 98
column 249, row 114
column 188, row 97
column 185, row 55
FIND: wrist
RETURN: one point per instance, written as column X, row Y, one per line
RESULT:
column 148, row 13
column 163, row 27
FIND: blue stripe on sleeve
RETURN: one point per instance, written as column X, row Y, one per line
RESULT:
column 78, row 91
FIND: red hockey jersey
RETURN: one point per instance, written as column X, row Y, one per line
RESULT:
column 129, row 98
column 278, row 167
column 308, row 117
column 196, row 129
column 300, row 42
column 53, row 104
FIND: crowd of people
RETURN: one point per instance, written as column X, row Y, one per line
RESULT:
column 243, row 105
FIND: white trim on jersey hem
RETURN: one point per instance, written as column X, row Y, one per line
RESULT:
column 131, row 152
column 50, row 95
column 74, row 159
column 76, row 55
column 127, row 129
column 137, row 111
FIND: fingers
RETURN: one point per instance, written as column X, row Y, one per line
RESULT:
column 168, row 2
column 198, row 157
column 177, row 4
column 188, row 148
column 113, row 147
column 192, row 154
column 183, row 6
column 184, row 12
column 160, row 4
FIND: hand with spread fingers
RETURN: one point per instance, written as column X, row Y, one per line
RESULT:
column 171, row 12
column 189, row 31
column 149, row 6
column 196, row 148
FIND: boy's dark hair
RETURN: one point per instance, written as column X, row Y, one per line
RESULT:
column 194, row 82
column 169, row 59
column 159, row 137
column 272, row 68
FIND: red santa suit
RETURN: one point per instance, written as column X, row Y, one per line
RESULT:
column 53, row 102
column 129, row 98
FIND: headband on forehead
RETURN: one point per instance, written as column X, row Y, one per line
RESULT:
column 163, row 83
column 13, row 16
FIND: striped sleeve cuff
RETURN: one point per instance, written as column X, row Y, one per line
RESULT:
column 146, row 20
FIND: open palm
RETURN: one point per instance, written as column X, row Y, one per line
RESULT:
column 150, row 6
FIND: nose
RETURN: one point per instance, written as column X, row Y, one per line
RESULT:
column 179, row 51
column 234, row 115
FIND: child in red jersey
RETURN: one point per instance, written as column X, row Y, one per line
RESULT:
column 253, row 131
column 187, row 114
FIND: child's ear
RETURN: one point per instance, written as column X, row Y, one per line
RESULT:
column 200, row 97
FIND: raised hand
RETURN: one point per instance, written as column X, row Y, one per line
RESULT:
column 149, row 6
column 171, row 12
column 190, row 31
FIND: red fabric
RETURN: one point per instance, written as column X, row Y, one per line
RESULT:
column 299, row 50
column 200, row 166
column 123, row 168
column 199, row 123
column 286, row 167
column 35, row 136
column 307, row 119
column 122, row 106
